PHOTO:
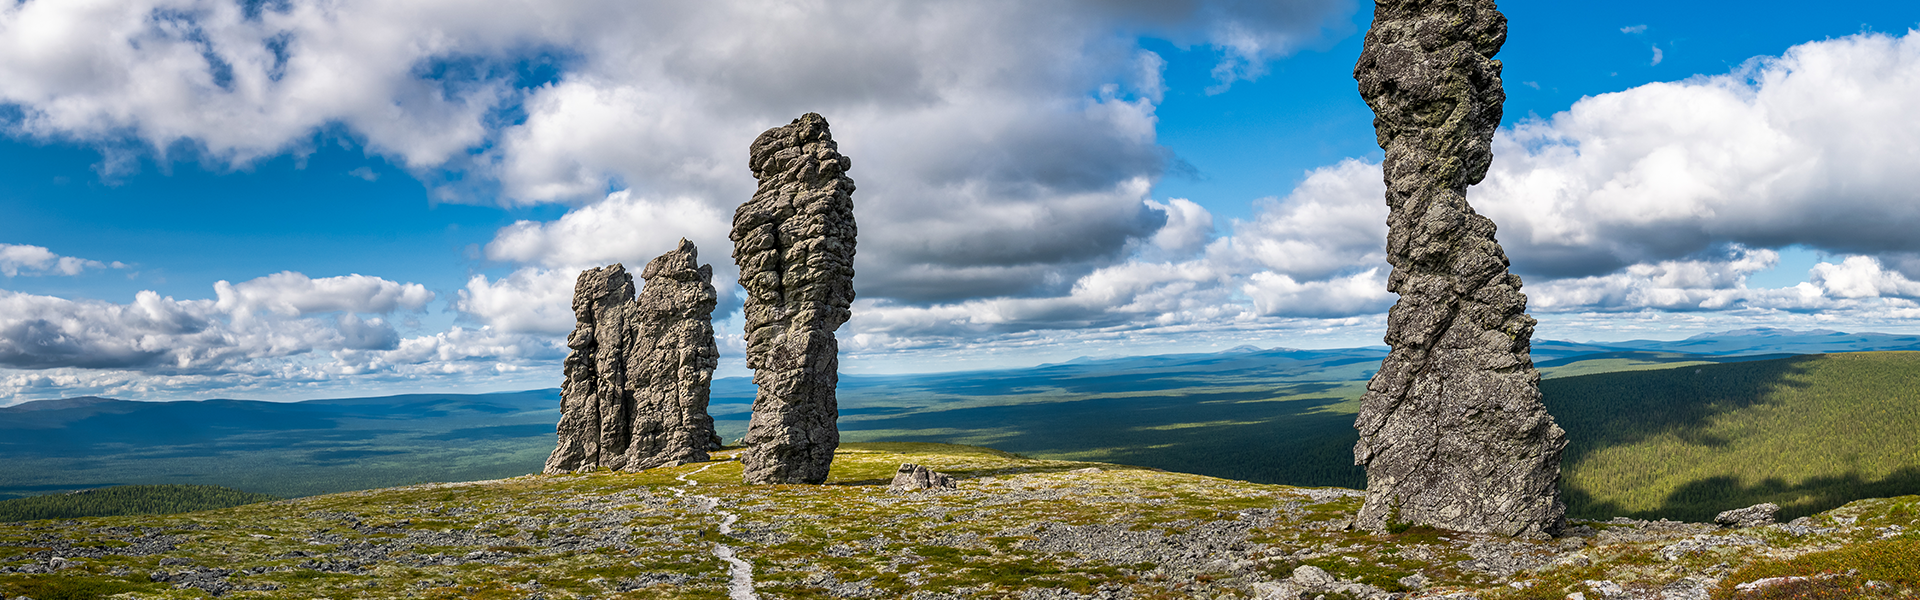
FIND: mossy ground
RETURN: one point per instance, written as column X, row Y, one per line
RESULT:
column 1015, row 526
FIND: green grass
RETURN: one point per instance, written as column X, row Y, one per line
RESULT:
column 69, row 587
column 127, row 500
column 1807, row 433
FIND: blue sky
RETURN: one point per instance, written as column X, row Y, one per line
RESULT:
column 292, row 200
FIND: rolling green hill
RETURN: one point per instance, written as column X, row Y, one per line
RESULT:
column 127, row 500
column 1808, row 433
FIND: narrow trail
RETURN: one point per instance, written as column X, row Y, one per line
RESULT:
column 741, row 587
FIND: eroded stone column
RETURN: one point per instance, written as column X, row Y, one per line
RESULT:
column 1452, row 430
column 593, row 398
column 670, row 362
column 794, row 243
column 640, row 373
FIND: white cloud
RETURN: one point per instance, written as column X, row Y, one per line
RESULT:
column 1333, row 224
column 293, row 294
column 530, row 300
column 1358, row 294
column 1000, row 147
column 16, row 259
column 1189, row 227
column 252, row 324
column 1814, row 147
column 278, row 336
column 1862, row 277
column 623, row 227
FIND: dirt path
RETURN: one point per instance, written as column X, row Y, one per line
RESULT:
column 741, row 587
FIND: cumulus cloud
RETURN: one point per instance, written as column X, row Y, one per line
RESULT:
column 530, row 300
column 279, row 335
column 1813, row 147
column 274, row 317
column 1314, row 254
column 293, row 294
column 17, row 259
column 1001, row 148
column 1863, row 277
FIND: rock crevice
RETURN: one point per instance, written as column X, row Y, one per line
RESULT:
column 641, row 369
column 1452, row 430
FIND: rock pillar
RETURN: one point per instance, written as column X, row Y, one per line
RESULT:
column 794, row 244
column 670, row 362
column 638, row 378
column 1452, row 430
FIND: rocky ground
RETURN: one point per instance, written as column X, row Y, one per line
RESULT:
column 1013, row 528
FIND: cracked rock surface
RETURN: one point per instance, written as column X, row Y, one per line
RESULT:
column 641, row 370
column 1452, row 430
column 794, row 243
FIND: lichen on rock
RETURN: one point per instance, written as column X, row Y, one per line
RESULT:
column 794, row 243
column 640, row 372
column 1452, row 430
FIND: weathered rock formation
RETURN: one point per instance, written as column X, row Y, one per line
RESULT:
column 1452, row 431
column 794, row 244
column 912, row 477
column 638, row 379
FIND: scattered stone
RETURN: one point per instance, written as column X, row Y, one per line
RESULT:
column 794, row 242
column 912, row 477
column 1452, row 430
column 1757, row 515
column 639, row 377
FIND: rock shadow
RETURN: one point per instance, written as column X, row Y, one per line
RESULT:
column 1618, row 409
column 1236, row 435
column 1701, row 499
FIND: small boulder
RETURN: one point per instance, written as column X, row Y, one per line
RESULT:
column 1757, row 515
column 912, row 477
column 1312, row 577
column 1279, row 590
column 1414, row 581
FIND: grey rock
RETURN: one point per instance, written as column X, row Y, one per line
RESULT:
column 640, row 372
column 1312, row 577
column 670, row 362
column 1757, row 515
column 912, row 477
column 1281, row 590
column 794, row 243
column 1606, row 590
column 1452, row 430
column 1414, row 581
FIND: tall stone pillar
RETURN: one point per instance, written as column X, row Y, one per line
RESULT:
column 1452, row 430
column 794, row 244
